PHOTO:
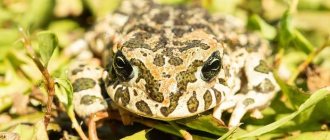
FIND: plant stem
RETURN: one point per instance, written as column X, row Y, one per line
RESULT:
column 49, row 82
column 80, row 132
column 93, row 118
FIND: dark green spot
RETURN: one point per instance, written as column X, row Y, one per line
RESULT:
column 152, row 85
column 167, row 52
column 144, row 27
column 205, row 27
column 178, row 32
column 193, row 44
column 192, row 103
column 175, row 61
column 142, row 35
column 207, row 99
column 248, row 101
column 262, row 67
column 162, row 42
column 89, row 99
column 159, row 60
column 136, row 43
column 135, row 92
column 143, row 107
column 174, row 98
column 265, row 86
column 161, row 17
column 184, row 77
column 181, row 18
column 217, row 95
column 75, row 71
column 83, row 84
column 223, row 81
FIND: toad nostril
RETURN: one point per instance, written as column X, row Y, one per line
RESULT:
column 166, row 75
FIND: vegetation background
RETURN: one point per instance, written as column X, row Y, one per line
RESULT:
column 35, row 33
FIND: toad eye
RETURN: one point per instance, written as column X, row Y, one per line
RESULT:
column 122, row 67
column 211, row 66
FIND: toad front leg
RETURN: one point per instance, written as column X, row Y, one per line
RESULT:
column 257, row 89
column 260, row 88
column 87, row 96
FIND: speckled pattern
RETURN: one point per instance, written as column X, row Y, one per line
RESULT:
column 171, row 62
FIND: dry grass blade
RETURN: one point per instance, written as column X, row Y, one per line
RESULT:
column 307, row 61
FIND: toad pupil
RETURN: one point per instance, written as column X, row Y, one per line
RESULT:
column 122, row 67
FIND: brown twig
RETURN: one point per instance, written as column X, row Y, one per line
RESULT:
column 307, row 61
column 93, row 118
column 77, row 127
column 49, row 82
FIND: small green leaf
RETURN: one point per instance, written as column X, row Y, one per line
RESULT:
column 64, row 92
column 295, row 96
column 47, row 44
column 141, row 135
column 257, row 23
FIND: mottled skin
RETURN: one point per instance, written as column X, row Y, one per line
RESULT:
column 170, row 62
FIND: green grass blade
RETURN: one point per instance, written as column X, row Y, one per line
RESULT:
column 141, row 135
column 314, row 99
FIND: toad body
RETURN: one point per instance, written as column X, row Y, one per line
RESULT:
column 171, row 62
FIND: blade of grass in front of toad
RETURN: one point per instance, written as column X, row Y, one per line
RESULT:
column 228, row 134
column 294, row 95
column 159, row 126
column 204, row 123
column 310, row 102
column 141, row 135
